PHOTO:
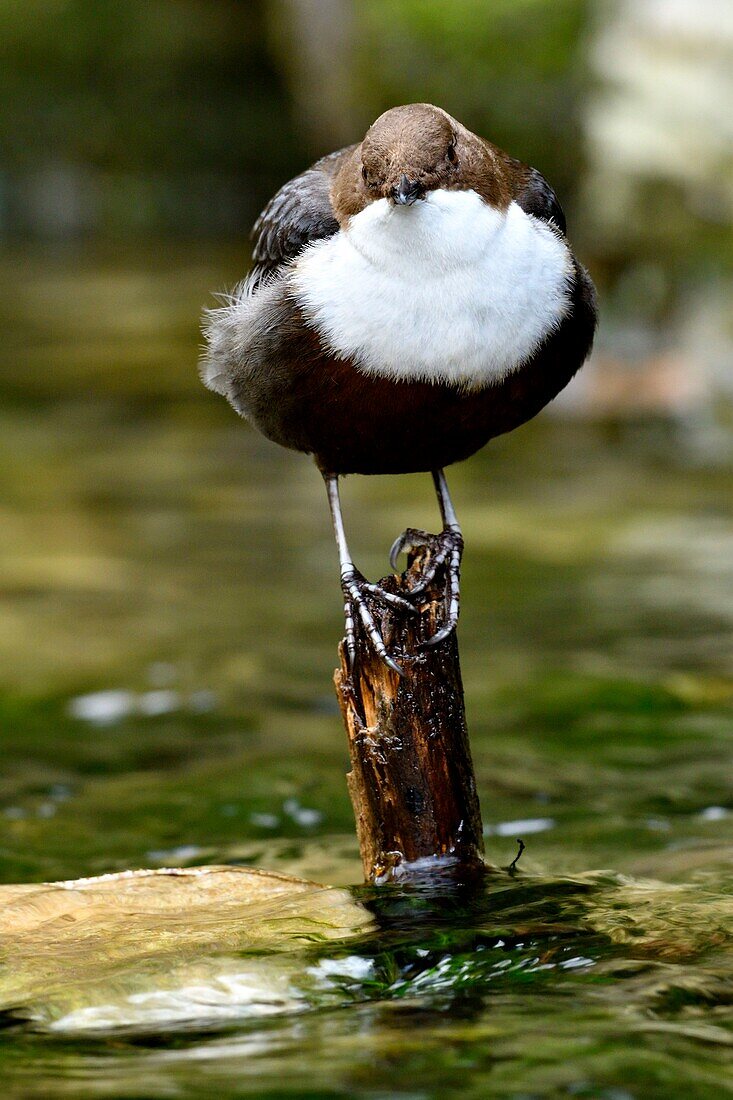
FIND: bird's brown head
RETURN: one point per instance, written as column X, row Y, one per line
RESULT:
column 407, row 153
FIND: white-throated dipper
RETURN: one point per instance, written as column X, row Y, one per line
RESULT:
column 411, row 297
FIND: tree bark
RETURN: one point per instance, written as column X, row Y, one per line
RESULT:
column 411, row 782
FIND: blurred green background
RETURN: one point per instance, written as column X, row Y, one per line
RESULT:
column 170, row 593
column 168, row 582
column 171, row 603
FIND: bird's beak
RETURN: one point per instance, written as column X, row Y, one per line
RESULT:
column 407, row 192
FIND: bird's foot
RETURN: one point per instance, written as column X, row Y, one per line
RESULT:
column 447, row 546
column 447, row 550
column 356, row 589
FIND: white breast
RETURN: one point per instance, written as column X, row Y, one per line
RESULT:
column 449, row 289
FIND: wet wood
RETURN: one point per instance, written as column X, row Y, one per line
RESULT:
column 411, row 782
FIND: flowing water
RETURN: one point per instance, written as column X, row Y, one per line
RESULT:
column 170, row 616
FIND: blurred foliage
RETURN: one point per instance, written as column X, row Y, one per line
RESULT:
column 132, row 83
column 512, row 70
column 163, row 109
column 160, row 118
column 157, row 115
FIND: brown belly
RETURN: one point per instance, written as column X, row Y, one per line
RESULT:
column 351, row 422
column 354, row 423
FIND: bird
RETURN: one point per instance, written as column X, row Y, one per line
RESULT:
column 411, row 297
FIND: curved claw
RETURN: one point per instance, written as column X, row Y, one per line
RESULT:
column 445, row 631
column 396, row 549
column 408, row 540
column 391, row 663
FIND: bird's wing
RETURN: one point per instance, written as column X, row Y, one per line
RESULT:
column 300, row 212
column 536, row 197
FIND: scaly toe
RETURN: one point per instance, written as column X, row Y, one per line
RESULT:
column 354, row 586
column 449, row 544
column 390, row 598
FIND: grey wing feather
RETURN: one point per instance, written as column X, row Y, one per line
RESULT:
column 300, row 212
column 538, row 198
column 237, row 333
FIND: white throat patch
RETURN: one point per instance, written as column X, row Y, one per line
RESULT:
column 447, row 290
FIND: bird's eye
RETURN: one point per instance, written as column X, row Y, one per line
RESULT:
column 364, row 174
column 451, row 154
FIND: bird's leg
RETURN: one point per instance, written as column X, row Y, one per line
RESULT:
column 448, row 548
column 450, row 551
column 355, row 586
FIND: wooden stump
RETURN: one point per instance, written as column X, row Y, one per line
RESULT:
column 411, row 781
